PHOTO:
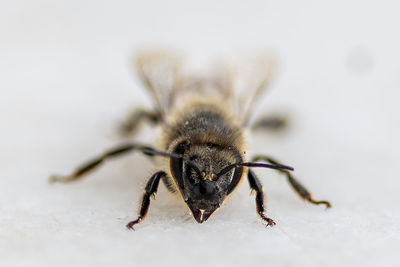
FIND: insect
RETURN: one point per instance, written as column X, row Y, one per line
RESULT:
column 201, row 142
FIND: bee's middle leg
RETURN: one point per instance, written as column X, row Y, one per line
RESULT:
column 256, row 185
column 271, row 123
column 296, row 185
column 135, row 119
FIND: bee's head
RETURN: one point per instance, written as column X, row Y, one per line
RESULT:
column 198, row 174
column 206, row 173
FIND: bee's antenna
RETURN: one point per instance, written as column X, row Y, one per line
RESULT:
column 254, row 164
column 149, row 151
column 194, row 167
column 153, row 152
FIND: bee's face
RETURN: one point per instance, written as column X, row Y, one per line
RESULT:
column 202, row 188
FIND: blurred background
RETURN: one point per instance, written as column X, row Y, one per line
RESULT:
column 66, row 81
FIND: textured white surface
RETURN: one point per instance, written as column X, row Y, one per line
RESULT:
column 66, row 81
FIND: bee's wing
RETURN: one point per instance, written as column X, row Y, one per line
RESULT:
column 240, row 80
column 160, row 74
column 250, row 76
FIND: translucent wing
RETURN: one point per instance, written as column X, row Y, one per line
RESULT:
column 240, row 80
column 169, row 78
column 160, row 74
column 250, row 76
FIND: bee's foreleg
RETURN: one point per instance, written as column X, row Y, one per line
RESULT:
column 96, row 162
column 296, row 185
column 149, row 191
column 135, row 119
column 256, row 185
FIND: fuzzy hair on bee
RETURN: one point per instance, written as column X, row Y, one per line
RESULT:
column 202, row 119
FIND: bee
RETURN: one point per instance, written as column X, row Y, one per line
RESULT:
column 201, row 143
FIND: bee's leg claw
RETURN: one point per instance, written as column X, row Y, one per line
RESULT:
column 61, row 179
column 132, row 223
column 322, row 202
column 269, row 221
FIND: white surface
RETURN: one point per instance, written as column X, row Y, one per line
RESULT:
column 66, row 81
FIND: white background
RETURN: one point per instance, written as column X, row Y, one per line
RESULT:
column 66, row 81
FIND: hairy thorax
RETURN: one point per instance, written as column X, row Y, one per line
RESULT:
column 202, row 121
